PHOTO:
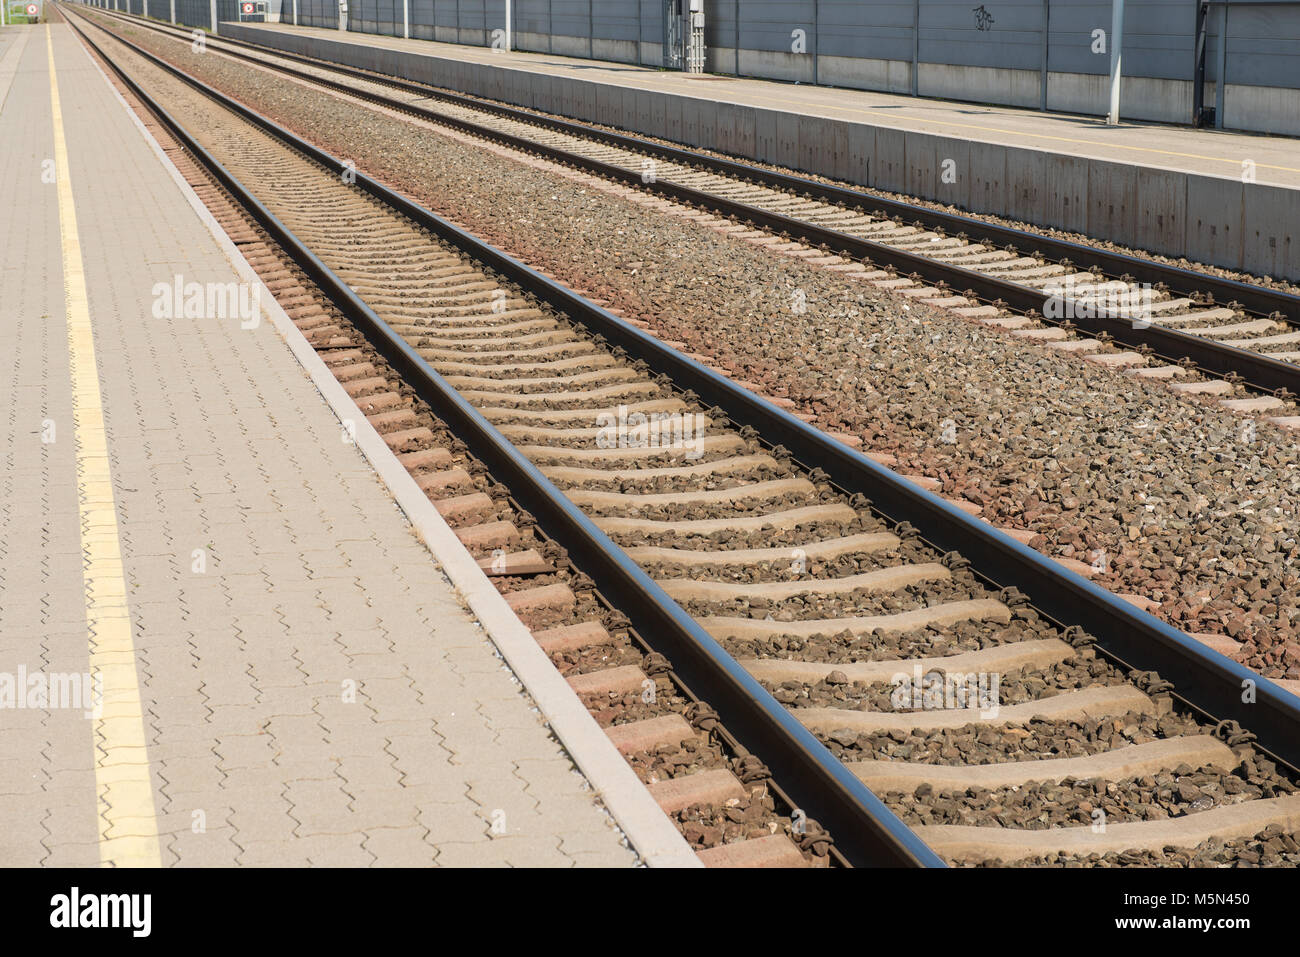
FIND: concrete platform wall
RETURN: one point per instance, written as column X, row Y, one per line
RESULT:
column 1219, row 221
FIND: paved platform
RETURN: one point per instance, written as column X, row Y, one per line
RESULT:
column 1230, row 199
column 287, row 676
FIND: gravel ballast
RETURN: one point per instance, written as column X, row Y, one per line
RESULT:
column 1172, row 498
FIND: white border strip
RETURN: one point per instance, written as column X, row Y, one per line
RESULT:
column 647, row 827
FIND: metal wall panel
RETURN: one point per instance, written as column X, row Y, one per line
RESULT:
column 770, row 24
column 1000, row 33
column 444, row 12
column 317, row 13
column 652, row 18
column 375, row 16
column 1159, row 36
column 1070, row 46
column 878, row 31
column 532, row 16
column 572, row 18
column 422, row 18
column 192, row 13
column 471, row 13
column 719, row 23
column 615, row 20
column 475, row 17
column 1262, row 48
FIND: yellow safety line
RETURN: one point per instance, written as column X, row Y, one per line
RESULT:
column 128, row 827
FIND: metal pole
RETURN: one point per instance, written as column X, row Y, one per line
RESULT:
column 212, row 13
column 1221, row 75
column 1047, row 19
column 173, row 6
column 1116, row 58
column 1198, row 65
column 916, row 45
column 509, row 27
column 817, row 36
column 406, row 18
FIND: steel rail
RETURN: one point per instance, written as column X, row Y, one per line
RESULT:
column 865, row 831
column 1254, row 298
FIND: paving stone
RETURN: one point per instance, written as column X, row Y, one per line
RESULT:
column 235, row 751
column 399, row 847
column 601, row 859
column 450, row 823
column 319, row 807
column 211, row 848
column 477, row 854
column 579, row 843
column 85, row 854
column 531, row 852
column 370, row 772
column 273, row 853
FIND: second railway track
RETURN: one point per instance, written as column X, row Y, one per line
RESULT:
column 1045, row 723
column 1039, row 287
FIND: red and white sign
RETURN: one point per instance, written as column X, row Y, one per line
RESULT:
column 32, row 9
column 248, row 8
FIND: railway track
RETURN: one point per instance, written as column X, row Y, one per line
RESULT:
column 848, row 627
column 1154, row 320
column 722, row 797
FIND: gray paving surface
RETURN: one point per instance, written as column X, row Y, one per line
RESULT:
column 316, row 694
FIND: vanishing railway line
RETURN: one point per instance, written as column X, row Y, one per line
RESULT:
column 1156, row 320
column 847, row 626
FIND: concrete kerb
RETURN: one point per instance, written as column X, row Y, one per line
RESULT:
column 646, row 826
column 1269, row 217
